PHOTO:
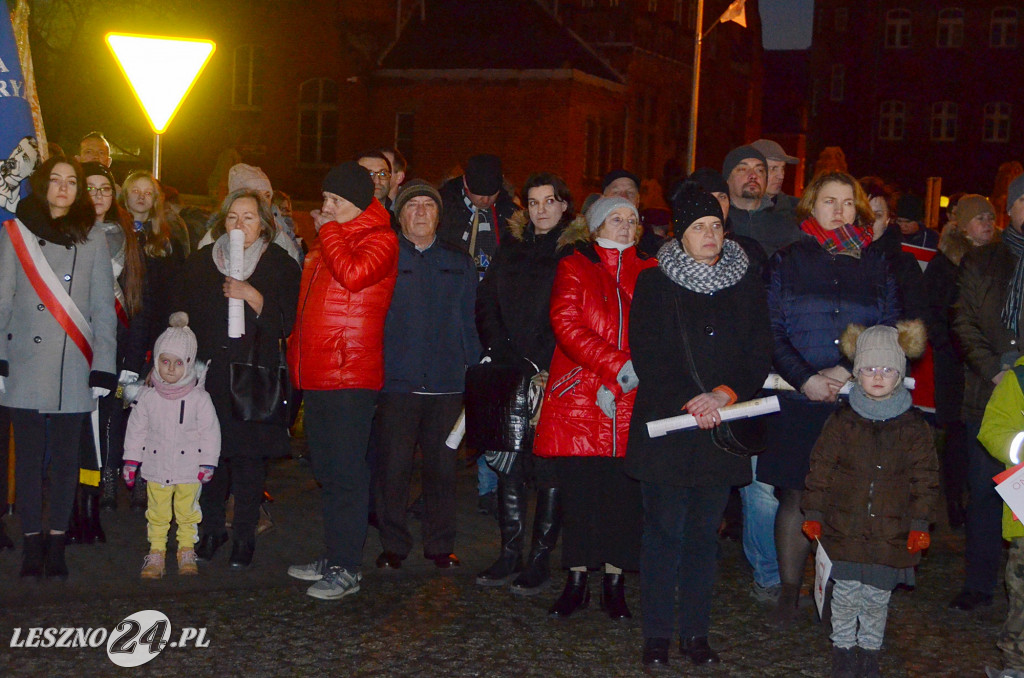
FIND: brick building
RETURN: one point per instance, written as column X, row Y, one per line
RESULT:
column 917, row 88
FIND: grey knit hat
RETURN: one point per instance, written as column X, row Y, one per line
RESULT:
column 414, row 189
column 599, row 211
column 879, row 346
column 1014, row 192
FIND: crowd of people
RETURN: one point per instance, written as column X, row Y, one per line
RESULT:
column 738, row 291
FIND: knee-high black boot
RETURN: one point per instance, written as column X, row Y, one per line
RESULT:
column 108, row 486
column 75, row 531
column 546, row 524
column 92, row 530
column 55, row 566
column 511, row 500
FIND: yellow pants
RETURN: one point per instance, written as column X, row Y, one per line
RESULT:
column 179, row 501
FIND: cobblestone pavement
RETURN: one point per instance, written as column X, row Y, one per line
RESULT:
column 418, row 621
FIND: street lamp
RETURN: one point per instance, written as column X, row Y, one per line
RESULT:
column 161, row 71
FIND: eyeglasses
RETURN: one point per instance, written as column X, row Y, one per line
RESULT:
column 887, row 372
column 383, row 174
column 100, row 190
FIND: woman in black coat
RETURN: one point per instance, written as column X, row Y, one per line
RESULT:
column 270, row 290
column 512, row 318
column 703, row 294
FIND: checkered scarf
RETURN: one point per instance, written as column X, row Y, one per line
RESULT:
column 847, row 239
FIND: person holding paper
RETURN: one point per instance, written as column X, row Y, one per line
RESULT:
column 872, row 492
column 266, row 280
column 706, row 301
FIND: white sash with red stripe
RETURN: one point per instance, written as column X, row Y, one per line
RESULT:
column 45, row 283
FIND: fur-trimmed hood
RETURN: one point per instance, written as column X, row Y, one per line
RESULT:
column 955, row 244
column 576, row 233
column 913, row 338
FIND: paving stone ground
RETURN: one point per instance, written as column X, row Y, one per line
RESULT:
column 419, row 621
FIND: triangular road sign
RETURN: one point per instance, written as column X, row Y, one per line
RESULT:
column 161, row 71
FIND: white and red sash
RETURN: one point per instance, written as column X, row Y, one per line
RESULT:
column 45, row 283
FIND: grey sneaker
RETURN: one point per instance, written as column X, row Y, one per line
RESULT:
column 337, row 582
column 767, row 595
column 312, row 572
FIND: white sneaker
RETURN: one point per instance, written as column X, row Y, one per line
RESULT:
column 337, row 582
column 312, row 572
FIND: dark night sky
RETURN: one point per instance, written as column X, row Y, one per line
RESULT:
column 787, row 23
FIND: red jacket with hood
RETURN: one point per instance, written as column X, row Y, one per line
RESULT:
column 347, row 282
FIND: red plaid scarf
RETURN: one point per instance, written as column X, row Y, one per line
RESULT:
column 848, row 238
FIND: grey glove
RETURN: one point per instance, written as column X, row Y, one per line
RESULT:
column 606, row 401
column 627, row 377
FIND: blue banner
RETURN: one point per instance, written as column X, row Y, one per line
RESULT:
column 19, row 152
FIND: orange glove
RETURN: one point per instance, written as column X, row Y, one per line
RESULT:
column 918, row 541
column 812, row 528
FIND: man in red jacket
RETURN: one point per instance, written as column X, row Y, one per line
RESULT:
column 336, row 355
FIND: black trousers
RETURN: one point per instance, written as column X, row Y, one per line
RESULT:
column 407, row 419
column 5, row 442
column 338, row 429
column 45, row 443
column 244, row 478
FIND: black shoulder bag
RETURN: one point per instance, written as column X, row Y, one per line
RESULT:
column 261, row 394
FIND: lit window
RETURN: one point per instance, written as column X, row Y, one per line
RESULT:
column 1004, row 27
column 996, row 127
column 838, row 83
column 892, row 120
column 318, row 121
column 944, row 114
column 246, row 80
column 897, row 28
column 950, row 29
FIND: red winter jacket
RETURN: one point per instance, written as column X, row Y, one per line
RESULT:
column 590, row 315
column 347, row 282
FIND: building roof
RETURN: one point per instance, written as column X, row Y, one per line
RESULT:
column 508, row 35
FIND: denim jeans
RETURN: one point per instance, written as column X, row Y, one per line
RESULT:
column 759, row 507
column 486, row 478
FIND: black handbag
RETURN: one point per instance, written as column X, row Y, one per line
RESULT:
column 261, row 393
column 499, row 406
column 741, row 437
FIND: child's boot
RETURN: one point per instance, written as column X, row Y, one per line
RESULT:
column 868, row 663
column 187, row 562
column 844, row 662
column 153, row 565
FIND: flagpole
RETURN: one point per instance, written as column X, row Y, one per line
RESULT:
column 698, row 38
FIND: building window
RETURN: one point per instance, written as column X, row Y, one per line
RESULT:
column 950, row 30
column 677, row 11
column 841, row 19
column 1004, row 27
column 247, row 77
column 897, row 28
column 892, row 120
column 944, row 121
column 405, row 126
column 997, row 123
column 652, row 5
column 318, row 121
column 837, row 87
column 613, row 3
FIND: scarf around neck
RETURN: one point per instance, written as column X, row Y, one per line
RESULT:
column 609, row 244
column 1014, row 240
column 684, row 270
column 880, row 410
column 847, row 239
column 250, row 257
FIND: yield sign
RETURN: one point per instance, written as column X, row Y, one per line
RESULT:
column 161, row 71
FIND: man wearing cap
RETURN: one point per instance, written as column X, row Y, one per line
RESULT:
column 909, row 215
column 752, row 213
column 429, row 340
column 777, row 159
column 336, row 355
column 621, row 183
column 987, row 323
column 476, row 210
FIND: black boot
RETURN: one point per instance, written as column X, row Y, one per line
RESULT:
column 208, row 545
column 76, row 525
column 5, row 541
column 786, row 612
column 867, row 663
column 55, row 565
column 32, row 555
column 844, row 662
column 546, row 523
column 241, row 553
column 138, row 504
column 613, row 596
column 511, row 498
column 575, row 596
column 108, row 489
column 92, row 530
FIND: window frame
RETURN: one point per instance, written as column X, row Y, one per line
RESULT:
column 898, row 28
column 320, row 108
column 944, row 121
column 949, row 28
column 892, row 120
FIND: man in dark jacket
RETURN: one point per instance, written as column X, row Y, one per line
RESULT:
column 752, row 213
column 988, row 325
column 429, row 340
column 909, row 215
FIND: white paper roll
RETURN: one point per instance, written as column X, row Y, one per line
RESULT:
column 744, row 410
column 458, row 432
column 777, row 383
column 236, row 307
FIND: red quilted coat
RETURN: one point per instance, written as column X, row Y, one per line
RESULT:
column 590, row 315
column 347, row 282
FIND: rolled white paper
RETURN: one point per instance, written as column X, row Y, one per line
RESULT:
column 236, row 307
column 777, row 383
column 458, row 432
column 744, row 410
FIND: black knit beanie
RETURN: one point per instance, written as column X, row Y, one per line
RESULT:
column 690, row 203
column 738, row 155
column 352, row 182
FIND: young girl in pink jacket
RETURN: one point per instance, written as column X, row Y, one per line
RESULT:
column 174, row 437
